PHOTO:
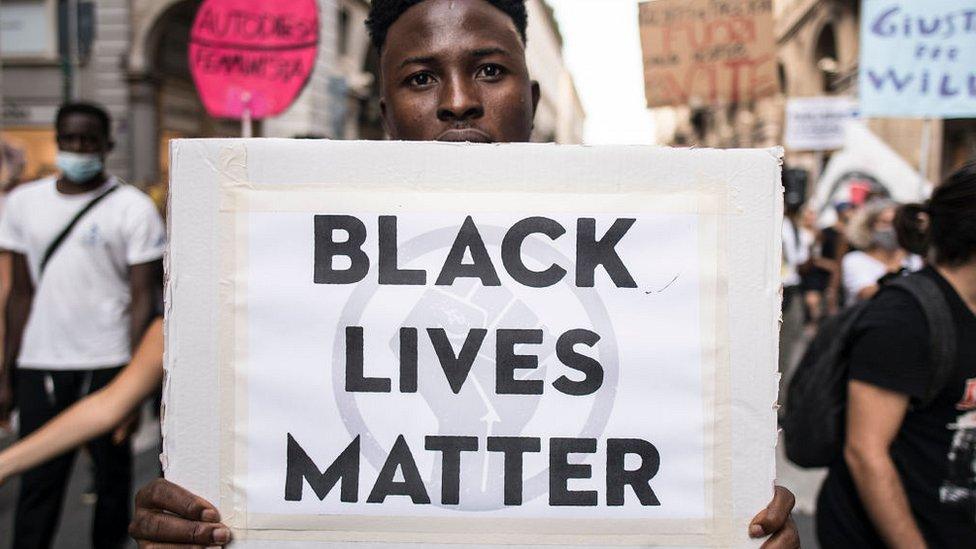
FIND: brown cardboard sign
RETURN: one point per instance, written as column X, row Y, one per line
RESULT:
column 707, row 51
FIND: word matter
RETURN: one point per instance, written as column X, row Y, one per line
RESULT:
column 400, row 464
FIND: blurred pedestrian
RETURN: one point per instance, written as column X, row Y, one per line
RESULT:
column 796, row 260
column 797, row 244
column 12, row 164
column 816, row 276
column 833, row 247
column 907, row 476
column 86, row 267
column 877, row 253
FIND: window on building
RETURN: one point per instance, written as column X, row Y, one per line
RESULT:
column 29, row 30
column 825, row 54
column 343, row 46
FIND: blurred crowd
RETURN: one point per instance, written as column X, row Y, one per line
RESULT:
column 831, row 266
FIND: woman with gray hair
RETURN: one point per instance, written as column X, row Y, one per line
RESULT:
column 877, row 253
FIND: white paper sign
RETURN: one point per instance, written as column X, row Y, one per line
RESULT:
column 517, row 359
column 27, row 30
column 817, row 123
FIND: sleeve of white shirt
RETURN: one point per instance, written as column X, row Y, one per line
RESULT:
column 11, row 229
column 857, row 274
column 145, row 233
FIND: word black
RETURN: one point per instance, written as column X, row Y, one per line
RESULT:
column 590, row 254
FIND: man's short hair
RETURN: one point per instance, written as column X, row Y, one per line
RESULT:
column 383, row 13
column 90, row 109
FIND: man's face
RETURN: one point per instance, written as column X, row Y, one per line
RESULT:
column 83, row 133
column 454, row 70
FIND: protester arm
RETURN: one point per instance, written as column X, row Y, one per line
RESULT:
column 837, row 275
column 874, row 416
column 95, row 414
column 5, row 280
column 145, row 285
column 17, row 311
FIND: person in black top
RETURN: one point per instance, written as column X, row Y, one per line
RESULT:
column 907, row 476
column 833, row 246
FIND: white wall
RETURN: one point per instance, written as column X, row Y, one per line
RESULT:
column 560, row 115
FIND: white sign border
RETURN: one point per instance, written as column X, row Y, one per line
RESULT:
column 195, row 263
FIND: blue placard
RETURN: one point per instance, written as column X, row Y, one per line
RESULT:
column 918, row 58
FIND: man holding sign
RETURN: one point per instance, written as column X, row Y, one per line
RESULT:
column 452, row 70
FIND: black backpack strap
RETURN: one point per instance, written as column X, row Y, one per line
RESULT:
column 942, row 329
column 58, row 240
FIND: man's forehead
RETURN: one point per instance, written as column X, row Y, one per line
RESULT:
column 82, row 122
column 436, row 27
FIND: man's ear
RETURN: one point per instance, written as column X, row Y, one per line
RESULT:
column 110, row 146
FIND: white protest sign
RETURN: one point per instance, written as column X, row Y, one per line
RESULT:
column 520, row 344
column 817, row 123
column 917, row 58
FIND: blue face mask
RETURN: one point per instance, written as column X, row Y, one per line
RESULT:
column 78, row 167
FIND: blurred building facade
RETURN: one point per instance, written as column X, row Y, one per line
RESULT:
column 132, row 58
column 817, row 43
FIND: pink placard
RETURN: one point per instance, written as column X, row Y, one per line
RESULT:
column 252, row 55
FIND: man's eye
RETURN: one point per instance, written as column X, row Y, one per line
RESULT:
column 421, row 79
column 491, row 71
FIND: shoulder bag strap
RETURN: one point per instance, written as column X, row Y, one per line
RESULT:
column 942, row 329
column 58, row 240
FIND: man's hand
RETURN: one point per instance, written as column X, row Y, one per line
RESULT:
column 169, row 516
column 6, row 401
column 775, row 521
column 127, row 427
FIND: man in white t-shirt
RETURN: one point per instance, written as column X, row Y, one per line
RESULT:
column 80, row 298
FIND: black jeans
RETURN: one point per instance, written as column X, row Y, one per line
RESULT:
column 41, row 395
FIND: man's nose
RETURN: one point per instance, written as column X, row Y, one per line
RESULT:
column 460, row 100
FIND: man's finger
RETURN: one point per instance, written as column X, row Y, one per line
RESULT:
column 165, row 496
column 163, row 528
column 153, row 545
column 787, row 538
column 773, row 518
